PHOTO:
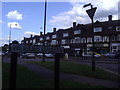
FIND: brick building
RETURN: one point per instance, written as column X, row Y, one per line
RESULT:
column 78, row 39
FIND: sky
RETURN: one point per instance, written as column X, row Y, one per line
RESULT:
column 26, row 18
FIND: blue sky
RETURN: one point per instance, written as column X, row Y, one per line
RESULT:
column 29, row 16
column 32, row 17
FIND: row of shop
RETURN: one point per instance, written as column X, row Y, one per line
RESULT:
column 98, row 48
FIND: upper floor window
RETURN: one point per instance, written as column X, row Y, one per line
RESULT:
column 65, row 34
column 77, row 32
column 77, row 40
column 47, row 38
column 53, row 42
column 30, row 41
column 41, row 39
column 97, row 38
column 118, row 37
column 117, row 28
column 34, row 40
column 53, row 36
column 83, row 40
column 89, row 40
column 113, row 38
column 98, row 29
column 105, row 38
column 26, row 41
column 63, row 41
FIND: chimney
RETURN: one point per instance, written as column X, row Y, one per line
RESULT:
column 31, row 35
column 40, row 33
column 74, row 24
column 110, row 18
column 24, row 38
column 54, row 29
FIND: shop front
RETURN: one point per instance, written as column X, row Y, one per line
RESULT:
column 98, row 48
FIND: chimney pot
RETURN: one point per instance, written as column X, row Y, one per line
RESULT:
column 110, row 17
column 31, row 35
column 74, row 24
column 40, row 33
column 54, row 29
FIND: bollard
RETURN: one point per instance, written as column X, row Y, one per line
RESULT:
column 66, row 56
column 13, row 68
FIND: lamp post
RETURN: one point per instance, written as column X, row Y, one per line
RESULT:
column 91, row 13
column 10, row 36
column 44, row 28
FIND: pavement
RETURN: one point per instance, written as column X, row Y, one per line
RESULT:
column 63, row 76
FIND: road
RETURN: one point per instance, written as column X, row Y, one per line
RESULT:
column 115, row 68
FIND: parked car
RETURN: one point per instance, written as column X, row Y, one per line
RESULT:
column 88, row 54
column 113, row 55
column 2, row 54
column 39, row 54
column 28, row 55
column 49, row 55
column 110, row 55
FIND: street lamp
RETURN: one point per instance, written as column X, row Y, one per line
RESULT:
column 44, row 28
column 10, row 36
column 91, row 13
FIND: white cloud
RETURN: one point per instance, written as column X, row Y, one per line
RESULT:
column 78, row 13
column 0, row 21
column 28, row 33
column 14, row 15
column 14, row 25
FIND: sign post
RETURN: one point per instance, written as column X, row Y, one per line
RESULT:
column 91, row 13
column 57, row 71
column 17, row 48
column 13, row 68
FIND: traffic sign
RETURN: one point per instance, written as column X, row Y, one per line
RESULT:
column 91, row 12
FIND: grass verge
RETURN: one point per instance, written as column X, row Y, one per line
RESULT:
column 78, row 69
column 27, row 79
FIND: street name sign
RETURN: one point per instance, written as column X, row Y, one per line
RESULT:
column 35, row 49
